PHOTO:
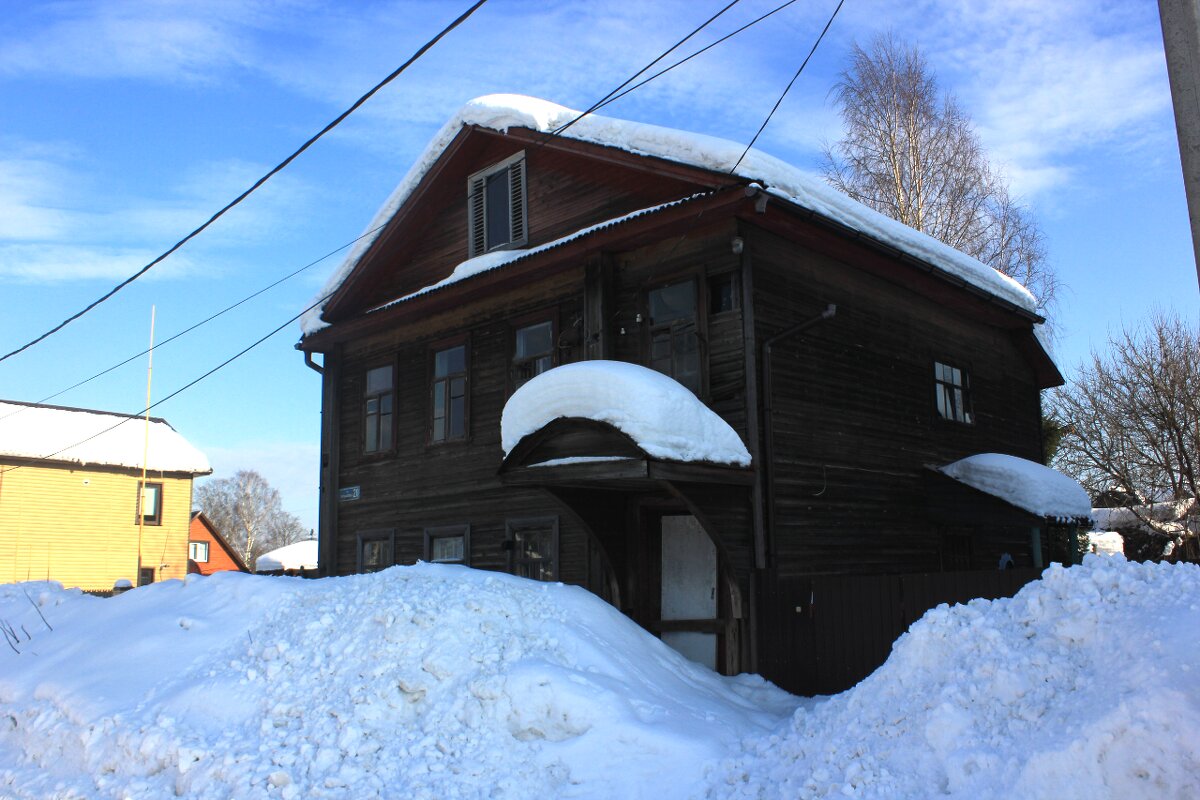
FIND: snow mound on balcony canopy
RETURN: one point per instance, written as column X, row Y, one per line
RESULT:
column 503, row 111
column 1025, row 484
column 1082, row 687
column 665, row 419
column 429, row 681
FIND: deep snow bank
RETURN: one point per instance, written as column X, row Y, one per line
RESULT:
column 1085, row 685
column 427, row 681
column 444, row 682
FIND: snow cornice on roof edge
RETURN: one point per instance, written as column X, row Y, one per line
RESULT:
column 504, row 111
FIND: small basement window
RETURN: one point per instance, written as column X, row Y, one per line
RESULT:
column 952, row 391
column 449, row 544
column 496, row 206
column 375, row 549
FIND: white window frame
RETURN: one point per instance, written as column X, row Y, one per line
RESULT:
column 477, row 211
column 194, row 549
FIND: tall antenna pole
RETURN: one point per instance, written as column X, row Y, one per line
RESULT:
column 145, row 452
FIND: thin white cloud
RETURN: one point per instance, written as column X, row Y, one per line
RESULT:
column 60, row 263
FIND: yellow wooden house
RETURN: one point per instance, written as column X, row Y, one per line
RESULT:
column 90, row 498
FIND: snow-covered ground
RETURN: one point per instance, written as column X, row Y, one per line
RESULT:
column 445, row 682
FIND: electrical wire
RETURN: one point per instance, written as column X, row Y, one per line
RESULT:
column 279, row 167
column 775, row 108
column 608, row 97
column 616, row 95
column 139, row 415
column 201, row 323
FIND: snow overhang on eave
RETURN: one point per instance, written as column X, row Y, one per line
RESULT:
column 626, row 230
column 1035, row 490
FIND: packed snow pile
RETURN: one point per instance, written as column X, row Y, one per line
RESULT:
column 82, row 436
column 1083, row 686
column 444, row 682
column 503, row 111
column 1023, row 483
column 665, row 419
column 425, row 682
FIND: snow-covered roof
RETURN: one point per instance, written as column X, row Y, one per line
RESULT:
column 1164, row 516
column 665, row 419
column 1024, row 484
column 298, row 555
column 503, row 111
column 95, row 438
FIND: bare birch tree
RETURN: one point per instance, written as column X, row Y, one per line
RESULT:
column 912, row 153
column 248, row 512
column 1131, row 422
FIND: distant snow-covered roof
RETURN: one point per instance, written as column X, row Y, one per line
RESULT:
column 298, row 555
column 665, row 419
column 1022, row 483
column 1106, row 543
column 1164, row 516
column 95, row 438
column 503, row 111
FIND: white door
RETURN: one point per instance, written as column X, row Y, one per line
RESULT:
column 689, row 586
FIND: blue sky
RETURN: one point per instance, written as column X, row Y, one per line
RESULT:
column 126, row 124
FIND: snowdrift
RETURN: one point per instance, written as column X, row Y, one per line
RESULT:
column 445, row 682
column 417, row 682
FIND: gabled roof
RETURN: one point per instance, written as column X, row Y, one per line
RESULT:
column 198, row 516
column 57, row 434
column 512, row 114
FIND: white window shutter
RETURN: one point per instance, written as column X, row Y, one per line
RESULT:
column 476, row 220
column 516, row 187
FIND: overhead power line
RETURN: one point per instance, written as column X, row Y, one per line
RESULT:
column 609, row 97
column 201, row 323
column 788, row 88
column 354, row 107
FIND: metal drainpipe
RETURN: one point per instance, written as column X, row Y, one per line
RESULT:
column 314, row 366
column 768, row 423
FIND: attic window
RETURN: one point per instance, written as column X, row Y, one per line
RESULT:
column 496, row 207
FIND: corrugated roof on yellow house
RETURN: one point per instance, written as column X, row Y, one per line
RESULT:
column 73, row 507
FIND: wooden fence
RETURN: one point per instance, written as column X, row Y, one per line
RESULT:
column 822, row 635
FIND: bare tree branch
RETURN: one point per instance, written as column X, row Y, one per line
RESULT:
column 913, row 155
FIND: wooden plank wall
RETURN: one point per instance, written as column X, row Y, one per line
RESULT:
column 824, row 634
column 854, row 419
column 419, row 484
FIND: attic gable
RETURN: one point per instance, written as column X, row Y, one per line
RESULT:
column 568, row 185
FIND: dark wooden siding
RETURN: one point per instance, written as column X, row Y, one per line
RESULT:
column 822, row 635
column 418, row 484
column 853, row 416
column 565, row 192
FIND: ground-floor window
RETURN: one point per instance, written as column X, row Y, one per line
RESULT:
column 448, row 544
column 375, row 549
column 534, row 544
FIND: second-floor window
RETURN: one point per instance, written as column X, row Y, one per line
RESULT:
column 674, row 340
column 378, row 409
column 533, row 351
column 150, row 503
column 496, row 206
column 952, row 390
column 448, row 404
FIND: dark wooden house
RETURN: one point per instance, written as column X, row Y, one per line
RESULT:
column 852, row 357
